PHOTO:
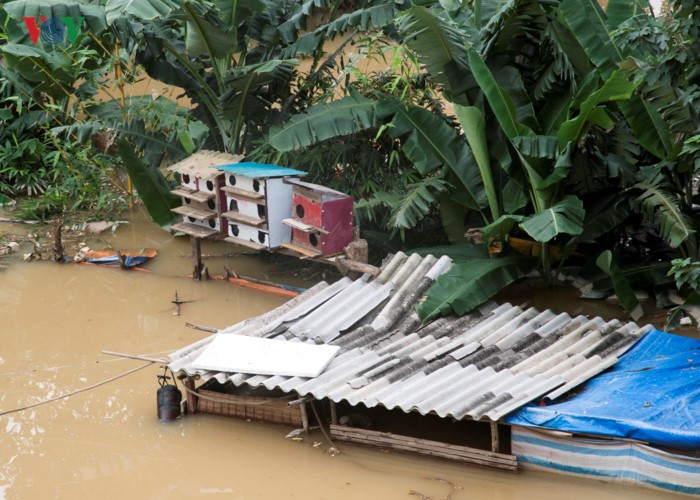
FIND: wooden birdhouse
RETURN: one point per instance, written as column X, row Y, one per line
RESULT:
column 322, row 219
column 257, row 200
column 200, row 188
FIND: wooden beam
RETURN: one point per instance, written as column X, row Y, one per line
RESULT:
column 334, row 412
column 345, row 265
column 425, row 447
column 192, row 399
column 495, row 445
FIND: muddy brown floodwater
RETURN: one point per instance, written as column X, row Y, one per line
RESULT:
column 107, row 442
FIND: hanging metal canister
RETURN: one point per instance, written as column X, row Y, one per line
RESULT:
column 169, row 398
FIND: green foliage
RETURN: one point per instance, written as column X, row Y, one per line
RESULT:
column 685, row 272
column 151, row 185
column 623, row 290
column 468, row 285
column 660, row 205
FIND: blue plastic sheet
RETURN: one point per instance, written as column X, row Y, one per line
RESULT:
column 652, row 394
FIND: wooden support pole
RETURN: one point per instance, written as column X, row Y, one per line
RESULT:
column 192, row 399
column 334, row 413
column 196, row 258
column 304, row 418
column 495, row 445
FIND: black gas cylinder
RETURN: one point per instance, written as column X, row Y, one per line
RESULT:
column 169, row 398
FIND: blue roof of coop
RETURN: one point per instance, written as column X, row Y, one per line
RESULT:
column 259, row 170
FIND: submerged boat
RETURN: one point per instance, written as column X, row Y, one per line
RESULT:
column 121, row 258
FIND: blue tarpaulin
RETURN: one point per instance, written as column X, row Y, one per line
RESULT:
column 652, row 394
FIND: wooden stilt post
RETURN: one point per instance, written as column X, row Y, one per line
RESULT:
column 334, row 413
column 196, row 258
column 304, row 418
column 495, row 445
column 188, row 382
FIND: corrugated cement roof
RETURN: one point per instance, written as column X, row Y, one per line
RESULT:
column 259, row 170
column 202, row 163
column 481, row 366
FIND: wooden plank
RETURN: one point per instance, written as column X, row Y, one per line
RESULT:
column 193, row 230
column 197, row 213
column 245, row 219
column 302, row 250
column 242, row 193
column 193, row 194
column 352, row 265
column 419, row 445
column 246, row 243
column 425, row 447
column 307, row 228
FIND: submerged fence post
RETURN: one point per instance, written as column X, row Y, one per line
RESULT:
column 304, row 418
column 196, row 258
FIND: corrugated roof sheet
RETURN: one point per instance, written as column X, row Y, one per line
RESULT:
column 481, row 366
column 202, row 164
column 259, row 170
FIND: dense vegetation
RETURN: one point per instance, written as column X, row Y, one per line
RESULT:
column 554, row 122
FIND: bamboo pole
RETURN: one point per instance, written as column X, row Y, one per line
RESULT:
column 120, row 83
column 134, row 356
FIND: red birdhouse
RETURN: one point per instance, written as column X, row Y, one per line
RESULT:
column 322, row 219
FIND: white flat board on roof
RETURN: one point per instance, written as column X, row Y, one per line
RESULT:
column 229, row 352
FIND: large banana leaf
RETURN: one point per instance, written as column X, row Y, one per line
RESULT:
column 233, row 11
column 141, row 9
column 150, row 185
column 472, row 120
column 325, row 121
column 615, row 88
column 94, row 14
column 430, row 143
column 204, row 37
column 590, row 25
column 452, row 218
column 565, row 217
column 441, row 47
column 623, row 290
column 650, row 130
column 498, row 99
column 470, row 284
column 619, row 11
column 466, row 252
column 660, row 205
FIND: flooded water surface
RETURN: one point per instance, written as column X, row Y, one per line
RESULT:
column 107, row 443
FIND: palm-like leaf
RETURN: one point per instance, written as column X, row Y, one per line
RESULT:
column 417, row 202
column 430, row 143
column 661, row 206
column 325, row 121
